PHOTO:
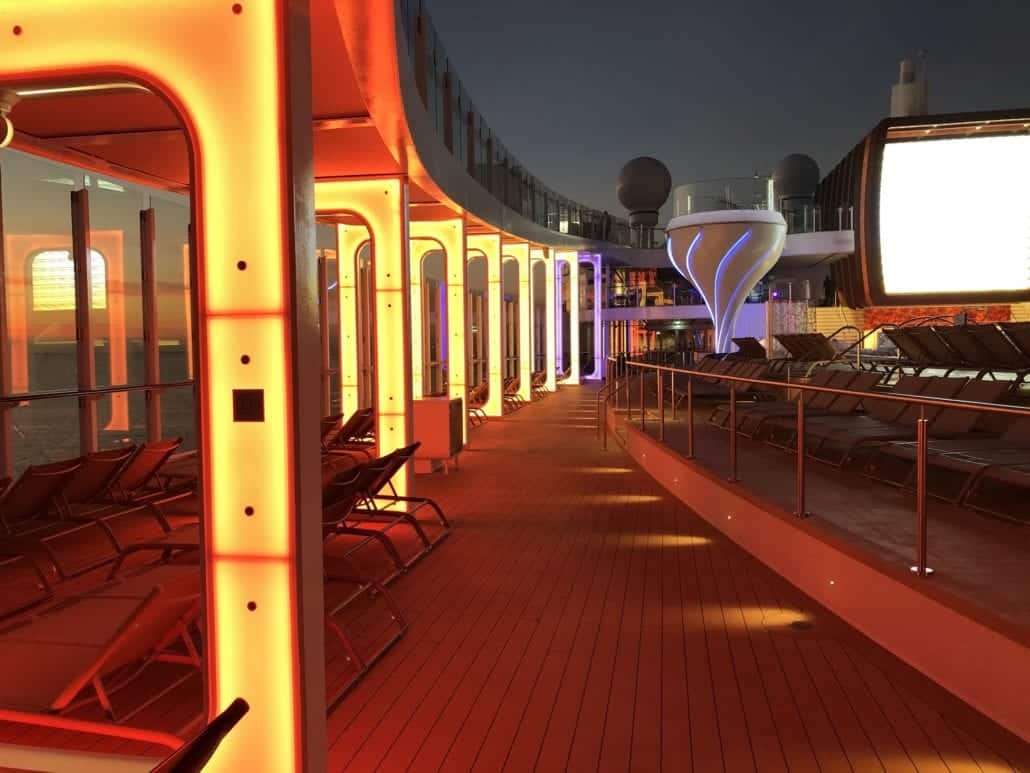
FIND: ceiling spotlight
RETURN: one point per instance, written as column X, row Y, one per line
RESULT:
column 8, row 99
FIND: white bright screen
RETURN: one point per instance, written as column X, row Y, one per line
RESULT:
column 955, row 215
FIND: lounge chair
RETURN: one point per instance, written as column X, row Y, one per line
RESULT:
column 389, row 508
column 1001, row 490
column 22, row 585
column 750, row 348
column 953, row 431
column 353, row 436
column 781, row 430
column 31, row 518
column 477, row 397
column 350, row 436
column 837, row 441
column 92, row 648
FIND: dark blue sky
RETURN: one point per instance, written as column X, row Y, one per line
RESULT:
column 716, row 89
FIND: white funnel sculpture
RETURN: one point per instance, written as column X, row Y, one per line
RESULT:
column 724, row 254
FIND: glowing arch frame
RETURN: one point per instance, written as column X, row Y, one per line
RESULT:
column 255, row 283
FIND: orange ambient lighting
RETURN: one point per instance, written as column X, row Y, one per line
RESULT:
column 490, row 246
column 198, row 54
column 549, row 319
column 382, row 203
column 520, row 252
column 572, row 345
column 419, row 249
column 450, row 235
column 350, row 241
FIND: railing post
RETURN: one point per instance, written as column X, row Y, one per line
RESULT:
column 799, row 491
column 604, row 424
column 672, row 394
column 690, row 417
column 921, row 568
column 733, row 432
column 661, row 407
column 643, row 410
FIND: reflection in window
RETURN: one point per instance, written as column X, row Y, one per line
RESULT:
column 53, row 281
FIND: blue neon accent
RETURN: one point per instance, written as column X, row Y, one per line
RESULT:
column 726, row 260
column 690, row 273
column 749, row 279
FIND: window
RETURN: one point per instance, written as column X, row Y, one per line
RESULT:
column 53, row 280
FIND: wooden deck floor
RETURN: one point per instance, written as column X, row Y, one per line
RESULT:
column 580, row 619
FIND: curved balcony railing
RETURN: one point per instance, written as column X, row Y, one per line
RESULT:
column 470, row 139
column 758, row 192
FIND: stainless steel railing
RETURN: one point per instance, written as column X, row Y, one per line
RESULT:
column 623, row 374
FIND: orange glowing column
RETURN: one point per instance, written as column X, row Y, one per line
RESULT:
column 419, row 249
column 382, row 204
column 520, row 252
column 572, row 345
column 350, row 240
column 490, row 246
column 549, row 316
column 250, row 257
column 450, row 235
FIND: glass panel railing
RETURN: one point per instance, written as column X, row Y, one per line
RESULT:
column 469, row 138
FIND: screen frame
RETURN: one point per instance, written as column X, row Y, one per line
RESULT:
column 867, row 234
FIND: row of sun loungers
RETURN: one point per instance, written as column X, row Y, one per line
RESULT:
column 512, row 400
column 981, row 349
column 88, row 655
column 967, row 463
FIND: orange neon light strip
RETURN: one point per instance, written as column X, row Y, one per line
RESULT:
column 572, row 345
column 240, row 212
column 450, row 235
column 490, row 246
column 350, row 239
column 382, row 203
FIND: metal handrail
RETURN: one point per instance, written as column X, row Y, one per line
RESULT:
column 622, row 370
column 87, row 393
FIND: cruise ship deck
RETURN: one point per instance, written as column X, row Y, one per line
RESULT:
column 333, row 439
column 582, row 618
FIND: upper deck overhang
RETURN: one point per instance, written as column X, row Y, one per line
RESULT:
column 368, row 120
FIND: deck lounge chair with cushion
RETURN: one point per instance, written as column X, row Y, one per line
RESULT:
column 837, row 442
column 781, row 430
column 953, row 430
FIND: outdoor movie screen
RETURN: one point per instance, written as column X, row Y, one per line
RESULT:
column 954, row 215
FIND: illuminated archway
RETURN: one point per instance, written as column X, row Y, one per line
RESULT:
column 259, row 465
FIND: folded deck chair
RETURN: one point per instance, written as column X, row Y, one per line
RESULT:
column 538, row 384
column 953, row 430
column 93, row 648
column 838, row 441
column 26, row 502
column 388, row 508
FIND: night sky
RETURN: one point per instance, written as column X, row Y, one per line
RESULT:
column 716, row 89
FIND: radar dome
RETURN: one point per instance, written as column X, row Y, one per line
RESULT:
column 644, row 185
column 796, row 177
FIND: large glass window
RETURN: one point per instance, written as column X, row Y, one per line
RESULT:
column 43, row 338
